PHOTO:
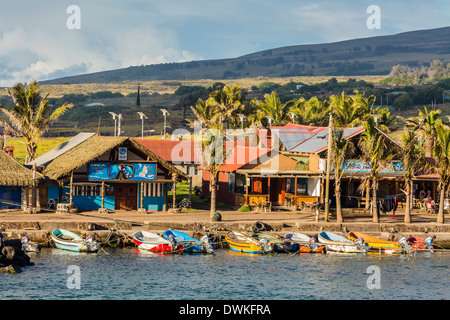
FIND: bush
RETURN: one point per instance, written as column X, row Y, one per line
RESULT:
column 245, row 208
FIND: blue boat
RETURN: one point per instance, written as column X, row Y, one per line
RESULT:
column 67, row 240
column 191, row 245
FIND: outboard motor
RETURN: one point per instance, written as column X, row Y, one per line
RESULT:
column 428, row 242
column 360, row 243
column 25, row 240
column 90, row 243
column 404, row 243
column 264, row 244
column 206, row 244
column 173, row 242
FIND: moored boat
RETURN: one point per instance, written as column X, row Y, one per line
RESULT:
column 190, row 244
column 303, row 243
column 376, row 245
column 337, row 243
column 275, row 243
column 243, row 243
column 67, row 240
column 420, row 243
column 154, row 242
column 30, row 246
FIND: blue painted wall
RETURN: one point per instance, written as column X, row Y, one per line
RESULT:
column 10, row 195
column 93, row 202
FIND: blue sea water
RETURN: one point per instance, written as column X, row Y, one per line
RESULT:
column 132, row 274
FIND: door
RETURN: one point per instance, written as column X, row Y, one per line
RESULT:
column 126, row 196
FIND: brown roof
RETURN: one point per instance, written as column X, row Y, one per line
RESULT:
column 13, row 173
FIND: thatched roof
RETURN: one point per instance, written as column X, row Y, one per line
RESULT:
column 93, row 148
column 13, row 173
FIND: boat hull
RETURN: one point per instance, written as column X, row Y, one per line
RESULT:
column 245, row 244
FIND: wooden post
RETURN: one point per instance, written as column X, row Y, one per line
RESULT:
column 103, row 194
column 268, row 188
column 190, row 187
column 142, row 195
column 246, row 190
column 327, row 185
column 174, row 192
column 71, row 190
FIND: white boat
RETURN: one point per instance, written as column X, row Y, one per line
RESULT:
column 337, row 243
column 154, row 242
column 67, row 240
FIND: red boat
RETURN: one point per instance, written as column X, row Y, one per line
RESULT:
column 155, row 243
column 420, row 243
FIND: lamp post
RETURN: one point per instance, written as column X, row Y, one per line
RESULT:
column 119, row 124
column 293, row 115
column 242, row 118
column 165, row 113
column 115, row 116
column 270, row 120
column 143, row 116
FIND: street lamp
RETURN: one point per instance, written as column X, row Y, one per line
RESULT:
column 143, row 116
column 119, row 124
column 242, row 118
column 165, row 113
column 115, row 116
column 293, row 116
column 270, row 120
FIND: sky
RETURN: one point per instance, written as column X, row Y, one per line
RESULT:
column 47, row 39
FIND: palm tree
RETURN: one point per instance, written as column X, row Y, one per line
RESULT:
column 216, row 114
column 375, row 153
column 351, row 110
column 340, row 150
column 442, row 156
column 31, row 115
column 312, row 112
column 413, row 158
column 426, row 123
column 272, row 107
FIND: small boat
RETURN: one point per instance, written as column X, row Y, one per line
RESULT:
column 275, row 243
column 243, row 243
column 337, row 243
column 304, row 243
column 30, row 246
column 67, row 240
column 190, row 244
column 154, row 242
column 420, row 243
column 377, row 245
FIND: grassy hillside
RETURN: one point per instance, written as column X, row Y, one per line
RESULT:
column 365, row 56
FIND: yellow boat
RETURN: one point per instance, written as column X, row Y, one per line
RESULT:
column 377, row 245
column 243, row 243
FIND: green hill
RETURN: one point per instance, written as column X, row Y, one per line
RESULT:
column 364, row 56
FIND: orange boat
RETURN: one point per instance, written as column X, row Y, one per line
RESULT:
column 420, row 243
column 304, row 243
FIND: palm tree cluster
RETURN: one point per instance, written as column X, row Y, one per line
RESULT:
column 31, row 115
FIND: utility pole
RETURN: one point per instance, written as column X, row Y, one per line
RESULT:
column 327, row 185
column 165, row 113
column 143, row 116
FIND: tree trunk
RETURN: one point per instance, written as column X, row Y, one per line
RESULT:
column 428, row 147
column 408, row 202
column 374, row 202
column 337, row 194
column 213, row 186
column 440, row 217
column 367, row 194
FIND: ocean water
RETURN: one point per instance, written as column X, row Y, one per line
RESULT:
column 132, row 274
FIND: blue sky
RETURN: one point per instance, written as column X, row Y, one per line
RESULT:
column 36, row 43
